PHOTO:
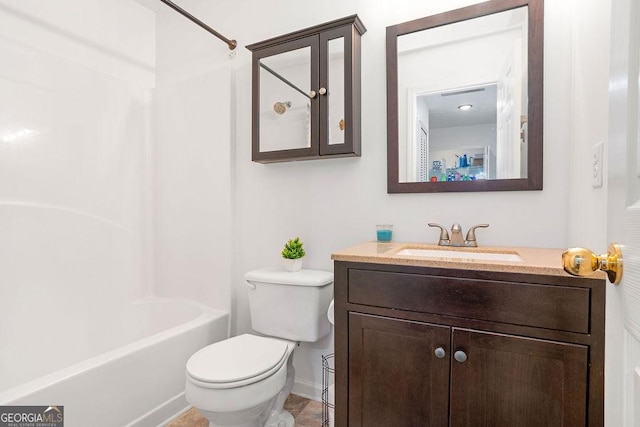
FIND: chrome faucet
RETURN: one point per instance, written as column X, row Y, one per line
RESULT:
column 456, row 235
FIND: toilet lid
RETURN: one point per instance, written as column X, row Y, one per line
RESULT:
column 237, row 359
column 280, row 276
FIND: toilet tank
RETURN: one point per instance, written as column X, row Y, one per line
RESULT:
column 290, row 305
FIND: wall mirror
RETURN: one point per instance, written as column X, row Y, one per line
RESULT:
column 464, row 100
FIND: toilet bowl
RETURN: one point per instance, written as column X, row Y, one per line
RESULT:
column 237, row 382
column 244, row 381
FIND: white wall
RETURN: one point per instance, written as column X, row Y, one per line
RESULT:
column 590, row 36
column 332, row 204
column 455, row 140
column 192, row 161
column 587, row 206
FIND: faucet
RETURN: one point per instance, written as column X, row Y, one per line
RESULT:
column 456, row 235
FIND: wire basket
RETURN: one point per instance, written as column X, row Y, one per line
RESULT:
column 328, row 405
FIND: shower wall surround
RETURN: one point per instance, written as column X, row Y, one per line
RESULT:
column 87, row 204
column 73, row 135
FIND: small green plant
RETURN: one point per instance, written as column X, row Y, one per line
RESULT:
column 293, row 249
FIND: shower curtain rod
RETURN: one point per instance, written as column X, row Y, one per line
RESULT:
column 231, row 43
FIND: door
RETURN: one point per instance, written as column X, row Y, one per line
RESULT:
column 503, row 380
column 398, row 372
column 622, row 374
column 509, row 116
column 422, row 164
column 339, row 108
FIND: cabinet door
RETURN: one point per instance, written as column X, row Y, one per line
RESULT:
column 285, row 116
column 339, row 92
column 515, row 381
column 395, row 377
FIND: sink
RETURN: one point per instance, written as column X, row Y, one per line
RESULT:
column 460, row 254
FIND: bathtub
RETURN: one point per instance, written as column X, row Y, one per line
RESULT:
column 124, row 371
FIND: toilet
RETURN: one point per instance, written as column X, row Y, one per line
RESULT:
column 243, row 381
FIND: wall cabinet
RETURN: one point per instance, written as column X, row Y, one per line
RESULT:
column 306, row 93
column 443, row 347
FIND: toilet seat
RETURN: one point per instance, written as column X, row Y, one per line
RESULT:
column 237, row 361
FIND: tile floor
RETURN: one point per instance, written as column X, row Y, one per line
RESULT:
column 307, row 413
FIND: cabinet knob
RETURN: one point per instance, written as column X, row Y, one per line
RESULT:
column 460, row 356
column 440, row 353
column 312, row 94
column 323, row 91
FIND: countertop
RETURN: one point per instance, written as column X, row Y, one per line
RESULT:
column 534, row 260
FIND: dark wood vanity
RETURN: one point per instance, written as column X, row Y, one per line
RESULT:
column 432, row 345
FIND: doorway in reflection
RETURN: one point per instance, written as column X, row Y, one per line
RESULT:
column 455, row 135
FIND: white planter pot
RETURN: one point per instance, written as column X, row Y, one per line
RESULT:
column 292, row 264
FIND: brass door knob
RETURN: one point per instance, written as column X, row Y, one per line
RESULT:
column 583, row 262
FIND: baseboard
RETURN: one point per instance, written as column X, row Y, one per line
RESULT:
column 162, row 414
column 307, row 389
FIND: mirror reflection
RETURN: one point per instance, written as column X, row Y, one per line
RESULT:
column 455, row 135
column 285, row 106
column 462, row 100
column 335, row 93
column 465, row 99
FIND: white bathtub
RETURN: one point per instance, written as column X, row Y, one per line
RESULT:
column 124, row 371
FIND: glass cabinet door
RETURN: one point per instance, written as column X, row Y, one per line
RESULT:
column 287, row 112
column 338, row 123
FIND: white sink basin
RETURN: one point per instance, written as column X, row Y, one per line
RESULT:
column 461, row 255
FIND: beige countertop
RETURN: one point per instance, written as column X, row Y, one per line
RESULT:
column 533, row 260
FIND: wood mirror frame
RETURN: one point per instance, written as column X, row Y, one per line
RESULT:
column 533, row 181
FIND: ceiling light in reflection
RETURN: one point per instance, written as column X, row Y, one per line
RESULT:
column 465, row 107
column 19, row 135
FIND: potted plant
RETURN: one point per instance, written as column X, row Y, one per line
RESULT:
column 293, row 253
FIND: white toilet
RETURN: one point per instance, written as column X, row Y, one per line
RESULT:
column 243, row 381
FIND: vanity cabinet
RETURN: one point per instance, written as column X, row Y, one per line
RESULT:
column 306, row 93
column 426, row 346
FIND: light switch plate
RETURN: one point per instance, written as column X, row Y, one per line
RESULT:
column 597, row 167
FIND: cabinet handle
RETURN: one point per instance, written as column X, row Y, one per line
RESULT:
column 440, row 353
column 312, row 94
column 322, row 91
column 460, row 356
